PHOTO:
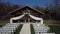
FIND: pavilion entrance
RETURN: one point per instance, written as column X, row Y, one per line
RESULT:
column 26, row 21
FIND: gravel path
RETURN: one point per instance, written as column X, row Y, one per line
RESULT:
column 25, row 29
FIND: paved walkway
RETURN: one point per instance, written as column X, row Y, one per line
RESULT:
column 25, row 29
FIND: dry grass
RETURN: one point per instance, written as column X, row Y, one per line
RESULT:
column 52, row 22
column 4, row 21
column 48, row 22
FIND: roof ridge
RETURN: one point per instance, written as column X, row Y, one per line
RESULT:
column 23, row 7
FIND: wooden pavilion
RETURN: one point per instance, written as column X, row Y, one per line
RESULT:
column 25, row 10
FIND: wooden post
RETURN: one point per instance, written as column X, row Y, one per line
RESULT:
column 25, row 21
column 10, row 20
column 41, row 21
column 29, row 20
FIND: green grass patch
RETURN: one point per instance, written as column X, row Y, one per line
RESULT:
column 54, row 29
column 1, row 25
column 32, row 29
column 18, row 29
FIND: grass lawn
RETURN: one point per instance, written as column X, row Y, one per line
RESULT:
column 52, row 22
column 32, row 29
column 18, row 29
column 54, row 29
column 4, row 21
column 1, row 25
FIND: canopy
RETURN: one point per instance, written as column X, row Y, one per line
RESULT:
column 33, row 17
column 19, row 17
column 36, row 18
column 16, row 18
